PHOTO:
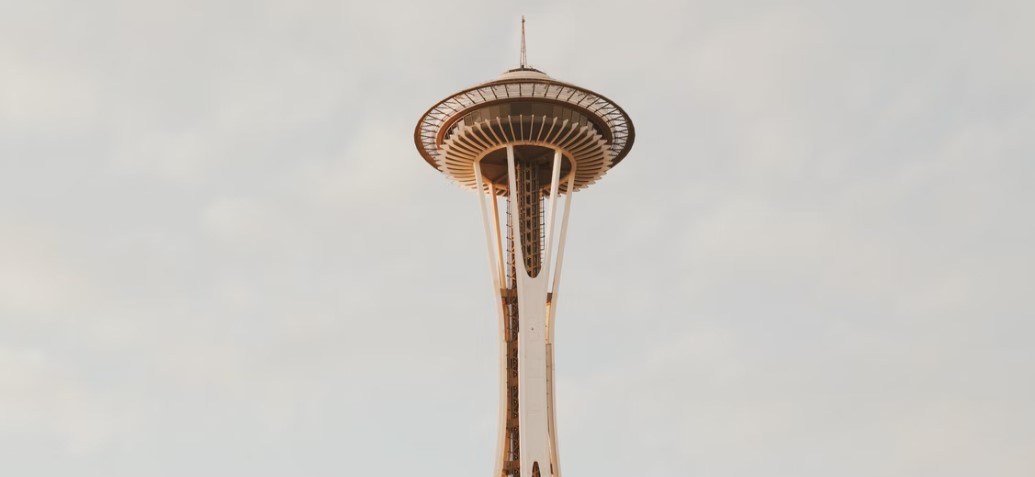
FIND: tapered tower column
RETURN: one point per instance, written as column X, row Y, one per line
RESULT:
column 525, row 142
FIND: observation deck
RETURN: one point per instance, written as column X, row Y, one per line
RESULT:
column 524, row 107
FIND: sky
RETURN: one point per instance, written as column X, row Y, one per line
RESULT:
column 221, row 254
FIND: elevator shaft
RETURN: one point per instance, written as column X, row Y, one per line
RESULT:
column 528, row 201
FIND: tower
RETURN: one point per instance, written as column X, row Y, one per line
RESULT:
column 525, row 140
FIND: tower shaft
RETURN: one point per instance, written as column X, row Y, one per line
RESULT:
column 527, row 439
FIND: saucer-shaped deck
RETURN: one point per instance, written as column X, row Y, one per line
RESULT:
column 524, row 107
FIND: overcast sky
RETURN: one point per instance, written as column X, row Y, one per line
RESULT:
column 221, row 254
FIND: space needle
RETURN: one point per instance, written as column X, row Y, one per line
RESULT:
column 523, row 142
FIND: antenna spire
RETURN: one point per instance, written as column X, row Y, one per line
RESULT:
column 524, row 59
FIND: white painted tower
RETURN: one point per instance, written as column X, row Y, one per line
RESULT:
column 524, row 140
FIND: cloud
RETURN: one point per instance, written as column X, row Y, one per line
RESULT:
column 41, row 401
column 220, row 251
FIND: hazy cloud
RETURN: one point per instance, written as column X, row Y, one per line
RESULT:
column 221, row 255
